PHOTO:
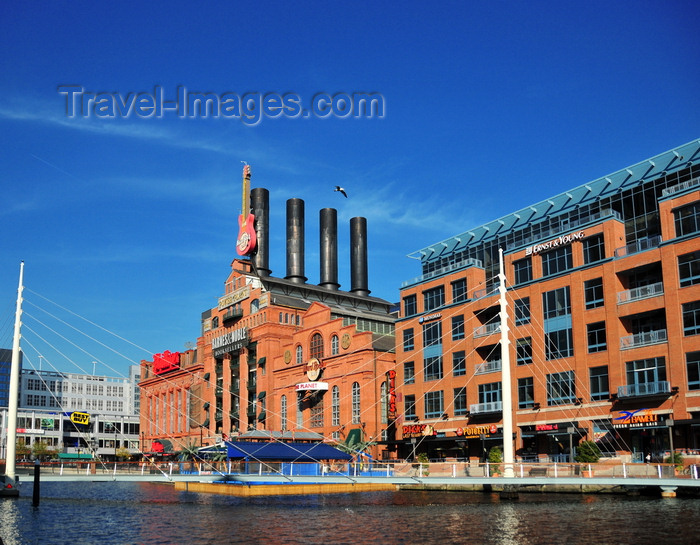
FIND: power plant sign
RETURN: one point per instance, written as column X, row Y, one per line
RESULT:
column 246, row 232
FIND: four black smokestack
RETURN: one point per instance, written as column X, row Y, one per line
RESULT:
column 358, row 256
column 329, row 248
column 295, row 241
column 260, row 207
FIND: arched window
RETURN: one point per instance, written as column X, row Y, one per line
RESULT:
column 356, row 403
column 254, row 306
column 283, row 413
column 316, row 349
column 281, row 317
column 335, row 345
column 300, row 355
column 335, row 406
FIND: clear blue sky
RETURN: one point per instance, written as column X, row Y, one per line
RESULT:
column 490, row 106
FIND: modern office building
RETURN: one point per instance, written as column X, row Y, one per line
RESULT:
column 279, row 355
column 80, row 392
column 76, row 434
column 78, row 414
column 603, row 300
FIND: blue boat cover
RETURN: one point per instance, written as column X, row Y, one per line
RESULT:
column 284, row 452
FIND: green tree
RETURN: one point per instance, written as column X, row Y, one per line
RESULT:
column 21, row 448
column 42, row 451
column 676, row 460
column 189, row 453
column 495, row 459
column 123, row 454
column 587, row 452
column 355, row 446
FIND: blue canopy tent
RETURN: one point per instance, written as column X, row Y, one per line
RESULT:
column 284, row 452
column 285, row 458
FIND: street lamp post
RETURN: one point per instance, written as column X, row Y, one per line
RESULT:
column 571, row 430
column 669, row 423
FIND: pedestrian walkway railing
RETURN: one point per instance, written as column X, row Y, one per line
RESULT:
column 390, row 469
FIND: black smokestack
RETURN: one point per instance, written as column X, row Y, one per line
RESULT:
column 329, row 249
column 358, row 256
column 260, row 205
column 295, row 241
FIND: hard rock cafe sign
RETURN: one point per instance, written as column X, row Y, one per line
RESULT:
column 313, row 370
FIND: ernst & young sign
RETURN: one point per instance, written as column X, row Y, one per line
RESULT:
column 559, row 241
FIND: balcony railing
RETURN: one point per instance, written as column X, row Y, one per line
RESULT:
column 483, row 408
column 487, row 329
column 643, row 339
column 485, row 292
column 564, row 226
column 233, row 314
column 492, row 366
column 643, row 292
column 444, row 270
column 644, row 389
column 639, row 246
column 680, row 187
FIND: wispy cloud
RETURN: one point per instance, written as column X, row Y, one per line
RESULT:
column 161, row 131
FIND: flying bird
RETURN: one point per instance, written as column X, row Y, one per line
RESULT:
column 338, row 188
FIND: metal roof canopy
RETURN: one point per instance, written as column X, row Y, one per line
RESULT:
column 285, row 452
column 665, row 163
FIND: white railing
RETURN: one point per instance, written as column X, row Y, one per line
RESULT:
column 487, row 329
column 643, row 339
column 487, row 367
column 680, row 187
column 490, row 407
column 444, row 270
column 643, row 292
column 639, row 246
column 644, row 389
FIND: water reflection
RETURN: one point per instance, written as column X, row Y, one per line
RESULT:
column 9, row 521
column 146, row 514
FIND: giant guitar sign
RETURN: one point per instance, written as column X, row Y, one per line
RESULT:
column 246, row 241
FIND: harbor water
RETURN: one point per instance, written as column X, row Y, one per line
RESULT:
column 149, row 514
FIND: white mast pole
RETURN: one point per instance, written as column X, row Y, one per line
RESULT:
column 14, row 385
column 506, row 390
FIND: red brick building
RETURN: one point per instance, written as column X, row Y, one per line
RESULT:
column 603, row 290
column 263, row 339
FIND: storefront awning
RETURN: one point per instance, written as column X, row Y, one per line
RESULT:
column 74, row 456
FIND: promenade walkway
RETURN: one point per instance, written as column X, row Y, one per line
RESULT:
column 403, row 474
